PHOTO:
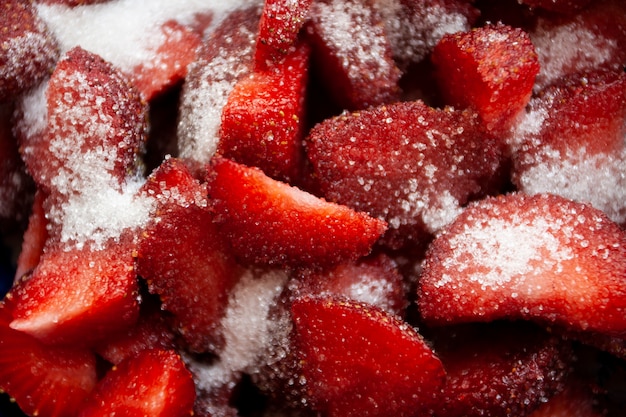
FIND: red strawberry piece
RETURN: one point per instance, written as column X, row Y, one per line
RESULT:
column 153, row 383
column 28, row 51
column 375, row 281
column 283, row 225
column 224, row 58
column 78, row 296
column 352, row 53
column 281, row 22
column 96, row 125
column 73, row 3
column 183, row 257
column 541, row 257
column 45, row 381
column 582, row 42
column 409, row 164
column 576, row 400
column 571, row 142
column 500, row 369
column 559, row 6
column 263, row 120
column 34, row 238
column 358, row 360
column 491, row 69
column 169, row 63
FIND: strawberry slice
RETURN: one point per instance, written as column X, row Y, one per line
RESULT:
column 34, row 238
column 153, row 383
column 280, row 24
column 283, row 225
column 28, row 51
column 375, row 281
column 576, row 400
column 491, row 69
column 352, row 53
column 45, row 381
column 358, row 360
column 541, row 257
column 263, row 120
column 78, row 296
column 499, row 369
column 412, row 165
column 168, row 64
column 183, row 257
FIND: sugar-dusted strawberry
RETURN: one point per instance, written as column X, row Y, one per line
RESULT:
column 168, row 65
column 94, row 129
column 359, row 361
column 279, row 27
column 580, row 42
column 571, row 142
column 499, row 369
column 542, row 257
column 27, row 49
column 560, row 6
column 264, row 118
column 270, row 222
column 34, row 238
column 409, row 164
column 375, row 281
column 224, row 58
column 183, row 257
column 78, row 296
column 352, row 53
column 576, row 400
column 152, row 383
column 45, row 381
column 491, row 69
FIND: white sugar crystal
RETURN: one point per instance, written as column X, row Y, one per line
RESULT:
column 127, row 32
column 374, row 291
column 25, row 56
column 249, row 332
column 34, row 110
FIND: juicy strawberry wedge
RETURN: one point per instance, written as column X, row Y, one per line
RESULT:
column 78, row 296
column 352, row 53
column 375, row 281
column 169, row 63
column 183, row 257
column 270, row 222
column 34, row 238
column 96, row 125
column 358, row 360
column 576, row 400
column 281, row 22
column 45, row 381
column 407, row 163
column 491, row 69
column 499, row 369
column 263, row 120
column 538, row 257
column 28, row 51
column 153, row 383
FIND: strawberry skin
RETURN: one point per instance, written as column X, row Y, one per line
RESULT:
column 154, row 383
column 541, row 257
column 359, row 361
column 283, row 225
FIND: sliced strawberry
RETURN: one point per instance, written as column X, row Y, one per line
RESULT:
column 358, row 360
column 183, row 257
column 281, row 22
column 78, row 296
column 223, row 59
column 409, row 164
column 538, row 257
column 581, row 42
column 168, row 65
column 283, row 225
column 491, row 69
column 34, row 239
column 153, row 383
column 352, row 53
column 576, row 400
column 96, row 125
column 375, row 281
column 263, row 121
column 28, row 51
column 571, row 142
column 500, row 369
column 44, row 380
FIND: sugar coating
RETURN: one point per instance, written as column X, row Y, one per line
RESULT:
column 127, row 32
